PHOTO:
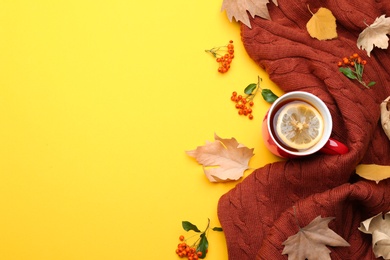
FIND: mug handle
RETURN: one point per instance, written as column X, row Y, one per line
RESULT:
column 334, row 147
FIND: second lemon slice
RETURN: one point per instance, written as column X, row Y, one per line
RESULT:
column 299, row 125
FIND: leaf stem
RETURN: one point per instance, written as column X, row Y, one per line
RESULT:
column 258, row 83
column 308, row 7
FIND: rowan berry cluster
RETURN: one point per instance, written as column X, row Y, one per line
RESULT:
column 186, row 251
column 353, row 68
column 224, row 55
column 351, row 61
column 243, row 104
column 199, row 249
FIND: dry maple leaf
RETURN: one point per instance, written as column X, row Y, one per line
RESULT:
column 239, row 8
column 310, row 242
column 375, row 35
column 385, row 116
column 322, row 25
column 373, row 172
column 223, row 160
column 379, row 227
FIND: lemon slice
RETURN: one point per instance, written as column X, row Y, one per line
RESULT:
column 299, row 125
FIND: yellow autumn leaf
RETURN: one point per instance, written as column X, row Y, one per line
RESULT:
column 322, row 25
column 373, row 172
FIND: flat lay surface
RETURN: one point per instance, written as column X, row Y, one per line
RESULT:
column 99, row 100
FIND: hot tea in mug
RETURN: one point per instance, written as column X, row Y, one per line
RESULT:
column 297, row 124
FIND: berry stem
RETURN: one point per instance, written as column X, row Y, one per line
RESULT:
column 359, row 74
column 223, row 55
column 195, row 244
column 214, row 51
column 252, row 95
column 190, row 237
column 354, row 69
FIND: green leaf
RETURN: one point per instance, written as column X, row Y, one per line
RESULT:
column 372, row 83
column 219, row 229
column 348, row 72
column 189, row 226
column 250, row 88
column 268, row 95
column 203, row 245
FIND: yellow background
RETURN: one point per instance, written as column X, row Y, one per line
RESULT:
column 99, row 100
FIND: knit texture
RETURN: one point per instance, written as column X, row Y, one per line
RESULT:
column 258, row 214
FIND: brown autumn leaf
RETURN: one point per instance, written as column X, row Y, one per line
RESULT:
column 322, row 25
column 223, row 160
column 385, row 116
column 373, row 172
column 310, row 242
column 379, row 227
column 375, row 35
column 239, row 8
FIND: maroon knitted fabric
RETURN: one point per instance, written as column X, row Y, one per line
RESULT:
column 257, row 215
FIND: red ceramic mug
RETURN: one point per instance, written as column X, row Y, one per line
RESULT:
column 322, row 142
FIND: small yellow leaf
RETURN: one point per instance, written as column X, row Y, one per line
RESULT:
column 373, row 172
column 322, row 25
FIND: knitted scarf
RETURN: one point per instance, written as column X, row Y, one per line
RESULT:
column 262, row 211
